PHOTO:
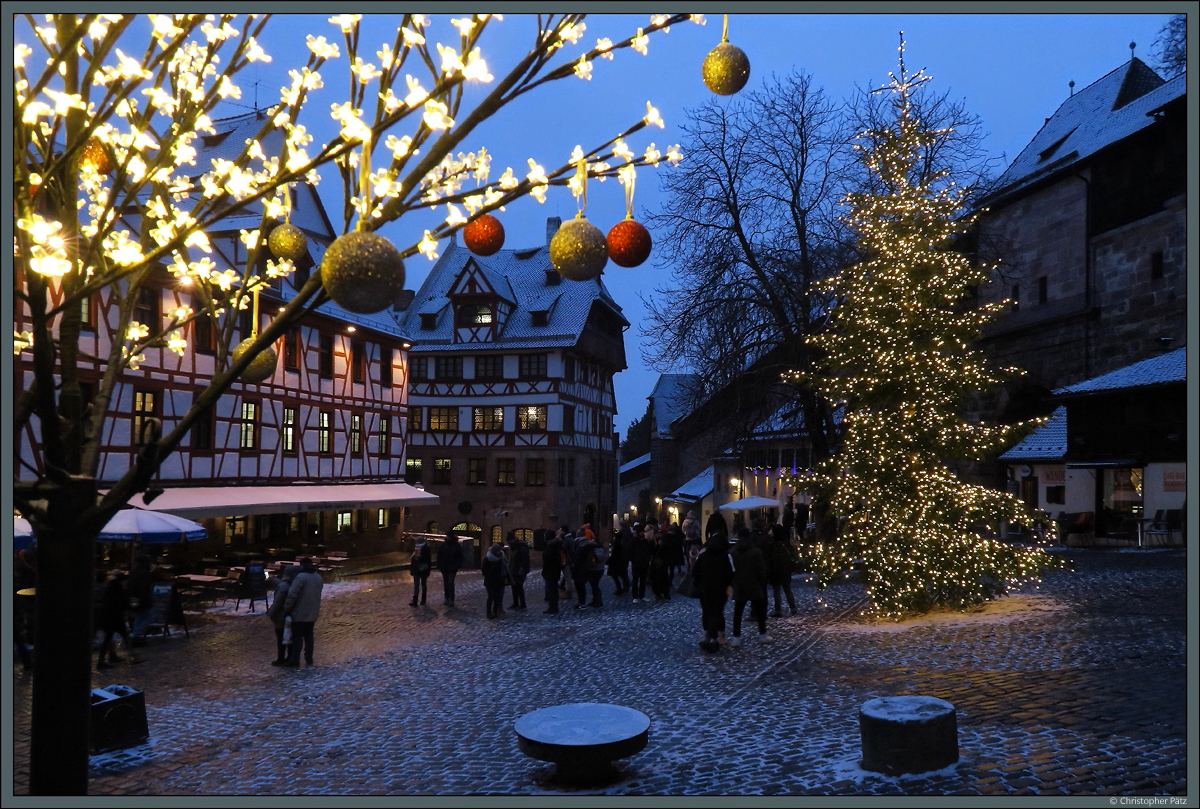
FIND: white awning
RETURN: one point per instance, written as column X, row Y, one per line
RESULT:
column 238, row 501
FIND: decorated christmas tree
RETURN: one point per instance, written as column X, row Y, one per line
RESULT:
column 899, row 363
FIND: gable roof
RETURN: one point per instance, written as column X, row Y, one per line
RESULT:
column 1108, row 110
column 1169, row 368
column 670, row 398
column 1046, row 443
column 520, row 276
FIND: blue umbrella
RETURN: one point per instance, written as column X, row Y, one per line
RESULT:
column 128, row 525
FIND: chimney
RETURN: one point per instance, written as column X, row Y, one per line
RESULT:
column 403, row 300
column 553, row 223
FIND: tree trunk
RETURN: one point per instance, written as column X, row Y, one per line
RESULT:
column 62, row 650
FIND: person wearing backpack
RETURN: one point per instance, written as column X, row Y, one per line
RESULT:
column 593, row 556
column 419, row 566
column 553, row 557
column 780, row 569
column 518, row 569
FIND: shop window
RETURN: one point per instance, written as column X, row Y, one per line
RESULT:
column 1056, row 495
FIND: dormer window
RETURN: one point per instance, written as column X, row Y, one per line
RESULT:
column 428, row 321
column 553, row 278
column 474, row 315
column 1049, row 151
column 541, row 317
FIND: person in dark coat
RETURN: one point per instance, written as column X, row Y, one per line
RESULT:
column 303, row 603
column 660, row 567
column 449, row 561
column 618, row 559
column 419, row 566
column 278, row 614
column 579, row 570
column 676, row 555
column 713, row 575
column 141, row 597
column 518, row 569
column 591, row 560
column 641, row 551
column 716, row 525
column 783, row 564
column 111, row 618
column 749, row 585
column 552, row 559
column 495, row 578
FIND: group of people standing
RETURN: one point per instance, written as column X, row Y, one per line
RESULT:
column 745, row 567
column 758, row 559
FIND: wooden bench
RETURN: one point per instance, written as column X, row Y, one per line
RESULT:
column 582, row 739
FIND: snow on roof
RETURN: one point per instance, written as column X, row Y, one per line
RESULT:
column 518, row 275
column 697, row 488
column 1165, row 369
column 1108, row 110
column 1046, row 443
column 636, row 462
column 670, row 398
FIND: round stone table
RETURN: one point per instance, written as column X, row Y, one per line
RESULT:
column 582, row 739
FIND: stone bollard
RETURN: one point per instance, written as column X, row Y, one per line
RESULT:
column 908, row 734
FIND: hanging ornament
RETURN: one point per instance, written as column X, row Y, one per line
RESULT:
column 261, row 367
column 484, row 235
column 726, row 68
column 287, row 242
column 578, row 250
column 94, row 154
column 362, row 271
column 628, row 241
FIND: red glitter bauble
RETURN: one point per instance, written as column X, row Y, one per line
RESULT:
column 484, row 235
column 628, row 243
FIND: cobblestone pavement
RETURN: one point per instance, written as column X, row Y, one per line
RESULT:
column 1074, row 688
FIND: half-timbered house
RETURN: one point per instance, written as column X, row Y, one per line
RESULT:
column 312, row 458
column 511, row 399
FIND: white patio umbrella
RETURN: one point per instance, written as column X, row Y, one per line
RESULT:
column 751, row 502
column 128, row 525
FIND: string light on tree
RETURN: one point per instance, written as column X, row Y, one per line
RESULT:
column 898, row 359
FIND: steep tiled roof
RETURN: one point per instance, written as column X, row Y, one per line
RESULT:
column 516, row 275
column 671, row 398
column 1046, row 443
column 227, row 144
column 1106, row 111
column 1165, row 369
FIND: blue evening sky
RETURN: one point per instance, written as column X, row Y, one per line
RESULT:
column 1011, row 69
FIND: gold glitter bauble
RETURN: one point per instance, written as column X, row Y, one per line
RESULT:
column 578, row 250
column 287, row 241
column 362, row 272
column 261, row 367
column 94, row 154
column 726, row 69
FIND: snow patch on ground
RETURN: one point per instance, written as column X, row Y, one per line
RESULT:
column 1006, row 610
